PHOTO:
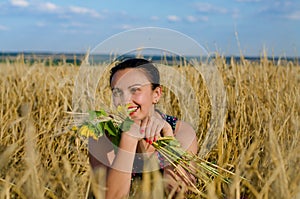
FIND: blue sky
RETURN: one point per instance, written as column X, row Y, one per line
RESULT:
column 77, row 25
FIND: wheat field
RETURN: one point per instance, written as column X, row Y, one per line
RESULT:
column 41, row 158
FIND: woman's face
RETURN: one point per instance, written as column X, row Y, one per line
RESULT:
column 132, row 87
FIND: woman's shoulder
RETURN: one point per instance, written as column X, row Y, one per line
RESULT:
column 186, row 135
column 177, row 124
column 183, row 126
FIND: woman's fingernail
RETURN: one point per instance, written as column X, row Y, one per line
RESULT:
column 142, row 130
column 150, row 142
column 155, row 139
column 147, row 140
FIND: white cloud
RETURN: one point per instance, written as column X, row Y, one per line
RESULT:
column 126, row 27
column 194, row 19
column 248, row 1
column 84, row 11
column 280, row 9
column 209, row 8
column 173, row 18
column 191, row 19
column 203, row 18
column 50, row 6
column 294, row 16
column 76, row 31
column 19, row 3
column 3, row 28
column 73, row 25
column 154, row 18
column 40, row 24
column 235, row 13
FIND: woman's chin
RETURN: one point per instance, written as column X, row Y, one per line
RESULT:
column 136, row 116
column 133, row 116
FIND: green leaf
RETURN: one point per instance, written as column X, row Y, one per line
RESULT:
column 93, row 128
column 92, row 115
column 100, row 128
column 174, row 143
column 101, row 112
column 116, row 142
column 109, row 126
column 125, row 126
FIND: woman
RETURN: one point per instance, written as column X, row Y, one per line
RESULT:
column 135, row 82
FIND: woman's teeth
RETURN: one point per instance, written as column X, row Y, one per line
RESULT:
column 132, row 109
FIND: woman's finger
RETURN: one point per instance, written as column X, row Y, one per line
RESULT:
column 143, row 125
column 134, row 130
column 157, row 131
column 153, row 129
column 149, row 128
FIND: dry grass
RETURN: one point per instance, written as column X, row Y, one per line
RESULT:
column 40, row 158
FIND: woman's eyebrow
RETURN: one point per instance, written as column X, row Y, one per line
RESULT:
column 133, row 85
column 115, row 88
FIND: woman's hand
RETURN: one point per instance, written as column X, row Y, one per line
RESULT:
column 154, row 127
column 135, row 131
column 150, row 128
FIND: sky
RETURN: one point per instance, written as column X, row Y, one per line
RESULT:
column 229, row 27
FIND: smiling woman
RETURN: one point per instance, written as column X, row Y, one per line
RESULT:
column 135, row 82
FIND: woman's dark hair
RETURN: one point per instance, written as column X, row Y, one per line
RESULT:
column 148, row 67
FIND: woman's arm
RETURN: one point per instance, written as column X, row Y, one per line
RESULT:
column 119, row 175
column 118, row 166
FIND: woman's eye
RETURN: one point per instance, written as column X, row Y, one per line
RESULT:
column 133, row 90
column 117, row 93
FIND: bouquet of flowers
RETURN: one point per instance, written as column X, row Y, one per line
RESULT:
column 113, row 123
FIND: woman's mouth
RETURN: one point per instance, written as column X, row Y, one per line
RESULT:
column 132, row 109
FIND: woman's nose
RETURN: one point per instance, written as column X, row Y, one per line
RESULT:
column 126, row 97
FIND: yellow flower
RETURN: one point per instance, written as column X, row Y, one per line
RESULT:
column 86, row 132
column 93, row 135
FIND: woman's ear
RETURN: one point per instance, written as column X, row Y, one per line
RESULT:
column 157, row 92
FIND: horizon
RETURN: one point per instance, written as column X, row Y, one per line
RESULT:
column 54, row 53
